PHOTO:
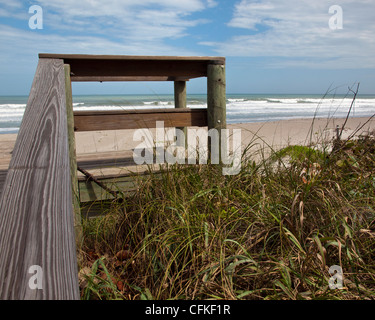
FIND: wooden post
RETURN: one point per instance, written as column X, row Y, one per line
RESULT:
column 216, row 104
column 72, row 156
column 180, row 102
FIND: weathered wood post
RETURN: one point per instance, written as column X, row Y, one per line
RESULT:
column 180, row 102
column 216, row 104
column 72, row 155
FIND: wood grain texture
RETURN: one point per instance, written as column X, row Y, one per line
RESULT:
column 36, row 212
column 72, row 156
column 216, row 97
column 216, row 103
column 136, row 119
column 3, row 174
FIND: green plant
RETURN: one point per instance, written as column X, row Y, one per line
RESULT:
column 268, row 232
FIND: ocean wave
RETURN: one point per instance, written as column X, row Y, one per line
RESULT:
column 305, row 101
column 150, row 102
column 12, row 106
column 240, row 108
column 9, row 130
column 236, row 100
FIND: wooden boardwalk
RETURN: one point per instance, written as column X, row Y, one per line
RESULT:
column 39, row 200
column 103, row 164
column 115, row 169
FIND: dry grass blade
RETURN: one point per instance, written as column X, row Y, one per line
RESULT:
column 262, row 234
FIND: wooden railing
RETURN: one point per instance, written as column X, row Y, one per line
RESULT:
column 37, row 237
column 39, row 204
column 136, row 119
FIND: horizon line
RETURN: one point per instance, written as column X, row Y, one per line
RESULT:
column 192, row 93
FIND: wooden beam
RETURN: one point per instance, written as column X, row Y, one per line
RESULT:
column 136, row 119
column 207, row 59
column 128, row 78
column 37, row 241
column 91, row 191
column 135, row 68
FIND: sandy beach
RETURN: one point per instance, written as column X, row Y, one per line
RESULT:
column 276, row 134
column 118, row 144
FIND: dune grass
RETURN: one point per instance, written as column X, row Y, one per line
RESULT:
column 270, row 232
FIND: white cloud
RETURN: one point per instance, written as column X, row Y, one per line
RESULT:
column 211, row 3
column 12, row 4
column 132, row 20
column 19, row 45
column 130, row 27
column 12, row 9
column 298, row 31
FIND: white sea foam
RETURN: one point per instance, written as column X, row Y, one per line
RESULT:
column 236, row 100
column 115, row 107
column 12, row 106
column 242, row 108
column 9, row 130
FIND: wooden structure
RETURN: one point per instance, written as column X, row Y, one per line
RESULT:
column 39, row 205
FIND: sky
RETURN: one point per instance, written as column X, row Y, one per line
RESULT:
column 270, row 46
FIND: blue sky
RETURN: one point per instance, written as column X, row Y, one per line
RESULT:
column 271, row 46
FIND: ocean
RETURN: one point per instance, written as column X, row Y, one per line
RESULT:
column 241, row 108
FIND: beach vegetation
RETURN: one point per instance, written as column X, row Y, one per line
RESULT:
column 272, row 231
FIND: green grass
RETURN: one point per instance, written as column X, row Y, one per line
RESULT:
column 270, row 232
